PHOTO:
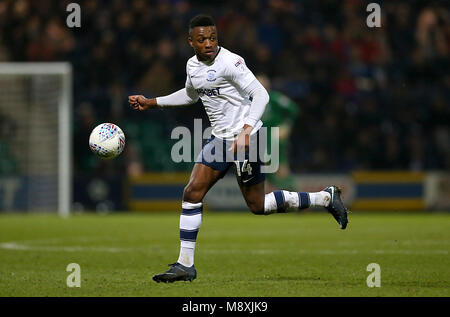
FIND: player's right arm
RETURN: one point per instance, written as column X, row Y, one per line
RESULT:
column 140, row 102
column 179, row 98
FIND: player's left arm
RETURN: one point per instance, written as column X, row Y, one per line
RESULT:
column 260, row 99
column 246, row 82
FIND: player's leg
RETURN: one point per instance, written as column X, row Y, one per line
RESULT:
column 203, row 176
column 282, row 201
column 259, row 203
column 251, row 181
column 202, row 179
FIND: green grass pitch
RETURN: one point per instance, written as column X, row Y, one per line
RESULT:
column 237, row 254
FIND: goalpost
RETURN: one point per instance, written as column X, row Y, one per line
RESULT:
column 35, row 137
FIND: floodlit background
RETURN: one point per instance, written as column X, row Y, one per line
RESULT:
column 372, row 116
column 369, row 99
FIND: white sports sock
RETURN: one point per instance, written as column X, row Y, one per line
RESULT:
column 186, row 256
column 280, row 201
column 190, row 221
column 320, row 199
column 270, row 204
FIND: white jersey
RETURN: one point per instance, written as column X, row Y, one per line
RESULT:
column 220, row 85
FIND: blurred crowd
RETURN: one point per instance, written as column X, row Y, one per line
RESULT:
column 369, row 98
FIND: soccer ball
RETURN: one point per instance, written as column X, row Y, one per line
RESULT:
column 107, row 140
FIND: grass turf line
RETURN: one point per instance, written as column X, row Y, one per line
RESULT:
column 237, row 254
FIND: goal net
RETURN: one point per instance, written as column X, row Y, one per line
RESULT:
column 35, row 137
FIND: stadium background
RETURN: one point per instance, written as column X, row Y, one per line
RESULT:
column 373, row 102
column 373, row 119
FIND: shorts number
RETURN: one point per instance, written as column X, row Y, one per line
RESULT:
column 246, row 167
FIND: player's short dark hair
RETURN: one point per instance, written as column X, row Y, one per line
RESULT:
column 201, row 20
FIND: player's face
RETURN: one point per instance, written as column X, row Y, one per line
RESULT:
column 203, row 40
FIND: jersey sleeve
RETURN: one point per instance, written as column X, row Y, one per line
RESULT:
column 238, row 72
column 190, row 90
column 260, row 98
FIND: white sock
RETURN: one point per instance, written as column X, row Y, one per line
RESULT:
column 280, row 201
column 320, row 199
column 186, row 256
column 190, row 221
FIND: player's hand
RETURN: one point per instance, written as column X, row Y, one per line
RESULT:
column 139, row 102
column 243, row 140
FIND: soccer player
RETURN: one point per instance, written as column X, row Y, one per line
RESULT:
column 281, row 112
column 234, row 101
